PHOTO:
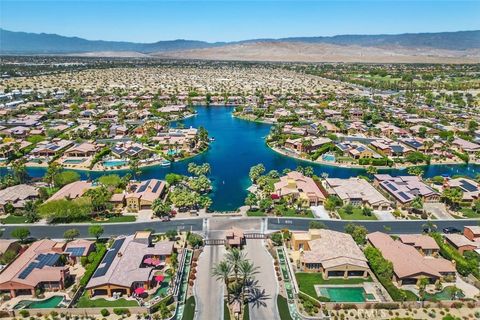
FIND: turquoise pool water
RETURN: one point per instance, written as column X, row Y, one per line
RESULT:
column 51, row 302
column 74, row 161
column 114, row 163
column 345, row 294
column 239, row 145
column 163, row 288
column 328, row 157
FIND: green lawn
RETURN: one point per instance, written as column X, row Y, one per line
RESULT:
column 282, row 306
column 86, row 302
column 290, row 212
column 117, row 219
column 306, row 281
column 469, row 213
column 189, row 311
column 255, row 213
column 11, row 219
column 356, row 215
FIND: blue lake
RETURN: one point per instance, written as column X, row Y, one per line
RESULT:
column 238, row 146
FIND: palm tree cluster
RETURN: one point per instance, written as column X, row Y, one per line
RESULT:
column 238, row 274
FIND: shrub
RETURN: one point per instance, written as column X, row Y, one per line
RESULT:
column 105, row 312
column 95, row 258
column 121, row 311
column 386, row 305
column 24, row 313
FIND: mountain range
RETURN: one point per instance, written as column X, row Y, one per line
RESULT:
column 442, row 44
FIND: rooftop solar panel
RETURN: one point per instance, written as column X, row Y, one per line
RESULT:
column 403, row 195
column 108, row 259
column 155, row 188
column 24, row 274
column 468, row 186
column 76, row 252
column 143, row 187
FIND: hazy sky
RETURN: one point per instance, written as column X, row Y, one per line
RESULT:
column 149, row 21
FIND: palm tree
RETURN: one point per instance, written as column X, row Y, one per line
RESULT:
column 234, row 258
column 222, row 271
column 247, row 270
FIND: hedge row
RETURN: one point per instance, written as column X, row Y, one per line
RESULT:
column 94, row 258
column 464, row 266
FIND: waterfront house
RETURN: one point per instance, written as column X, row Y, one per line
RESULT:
column 409, row 265
column 404, row 189
column 17, row 196
column 357, row 192
column 300, row 187
column 141, row 195
column 465, row 146
column 470, row 188
column 128, row 265
column 50, row 149
column 72, row 191
column 82, row 150
column 333, row 253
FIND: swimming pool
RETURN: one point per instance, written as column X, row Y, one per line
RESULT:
column 328, row 157
column 345, row 294
column 74, row 161
column 114, row 163
column 51, row 302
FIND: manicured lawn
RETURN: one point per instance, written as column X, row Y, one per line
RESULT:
column 86, row 302
column 306, row 281
column 11, row 219
column 189, row 311
column 469, row 213
column 356, row 215
column 255, row 213
column 289, row 212
column 118, row 219
column 282, row 306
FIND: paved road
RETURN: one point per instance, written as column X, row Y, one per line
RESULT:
column 266, row 305
column 112, row 229
column 395, row 227
column 197, row 224
column 209, row 293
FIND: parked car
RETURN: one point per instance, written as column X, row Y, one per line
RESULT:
column 451, row 230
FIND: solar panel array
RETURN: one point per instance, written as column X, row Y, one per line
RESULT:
column 108, row 259
column 143, row 187
column 49, row 259
column 155, row 188
column 75, row 252
column 468, row 186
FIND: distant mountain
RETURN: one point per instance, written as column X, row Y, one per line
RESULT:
column 42, row 43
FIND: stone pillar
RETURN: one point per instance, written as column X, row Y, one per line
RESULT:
column 109, row 292
column 345, row 274
column 32, row 291
column 13, row 294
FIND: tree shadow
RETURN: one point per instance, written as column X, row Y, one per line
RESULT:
column 256, row 296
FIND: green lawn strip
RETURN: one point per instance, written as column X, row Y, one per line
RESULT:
column 290, row 212
column 283, row 310
column 356, row 215
column 307, row 281
column 117, row 219
column 255, row 213
column 189, row 311
column 469, row 213
column 226, row 311
column 246, row 312
column 11, row 219
column 86, row 302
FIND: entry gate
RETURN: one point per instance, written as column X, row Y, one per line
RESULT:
column 255, row 235
column 215, row 242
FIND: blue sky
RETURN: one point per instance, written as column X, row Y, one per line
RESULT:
column 149, row 21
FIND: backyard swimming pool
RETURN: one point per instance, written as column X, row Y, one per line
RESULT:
column 114, row 163
column 345, row 294
column 328, row 157
column 51, row 302
column 74, row 161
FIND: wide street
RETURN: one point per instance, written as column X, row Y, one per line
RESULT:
column 223, row 223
